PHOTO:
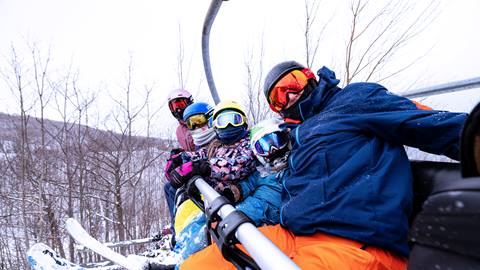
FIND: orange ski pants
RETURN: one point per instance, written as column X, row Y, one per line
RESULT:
column 318, row 251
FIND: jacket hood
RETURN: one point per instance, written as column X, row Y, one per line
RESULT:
column 326, row 89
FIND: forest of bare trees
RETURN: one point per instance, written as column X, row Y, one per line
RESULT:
column 109, row 177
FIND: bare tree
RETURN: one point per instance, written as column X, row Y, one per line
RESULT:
column 181, row 60
column 313, row 36
column 376, row 36
column 43, row 160
column 71, row 138
column 20, row 164
column 183, row 66
column 255, row 102
column 121, row 169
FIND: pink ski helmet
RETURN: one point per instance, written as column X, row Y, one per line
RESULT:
column 179, row 93
column 178, row 100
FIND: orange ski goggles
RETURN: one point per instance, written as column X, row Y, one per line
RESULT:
column 293, row 82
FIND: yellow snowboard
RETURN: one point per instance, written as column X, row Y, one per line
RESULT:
column 184, row 215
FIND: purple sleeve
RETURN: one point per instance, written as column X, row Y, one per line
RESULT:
column 184, row 138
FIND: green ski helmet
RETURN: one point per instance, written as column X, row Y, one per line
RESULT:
column 268, row 141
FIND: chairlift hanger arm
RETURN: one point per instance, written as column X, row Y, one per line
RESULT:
column 207, row 25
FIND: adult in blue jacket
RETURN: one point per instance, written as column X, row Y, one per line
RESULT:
column 348, row 188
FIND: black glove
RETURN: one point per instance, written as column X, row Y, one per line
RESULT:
column 152, row 265
column 230, row 191
column 175, row 151
column 186, row 171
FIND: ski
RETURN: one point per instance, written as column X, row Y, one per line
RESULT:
column 83, row 237
column 42, row 257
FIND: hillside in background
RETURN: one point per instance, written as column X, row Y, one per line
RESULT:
column 11, row 126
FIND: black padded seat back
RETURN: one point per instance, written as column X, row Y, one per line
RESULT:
column 430, row 177
column 446, row 210
column 428, row 258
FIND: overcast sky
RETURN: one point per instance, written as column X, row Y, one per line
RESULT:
column 97, row 37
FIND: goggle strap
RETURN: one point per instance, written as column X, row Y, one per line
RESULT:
column 308, row 72
column 272, row 107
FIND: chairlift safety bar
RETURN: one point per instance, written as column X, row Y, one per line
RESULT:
column 267, row 255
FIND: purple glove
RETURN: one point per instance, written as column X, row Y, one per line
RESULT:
column 173, row 162
column 180, row 175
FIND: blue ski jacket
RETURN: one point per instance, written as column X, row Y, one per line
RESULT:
column 263, row 198
column 348, row 172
